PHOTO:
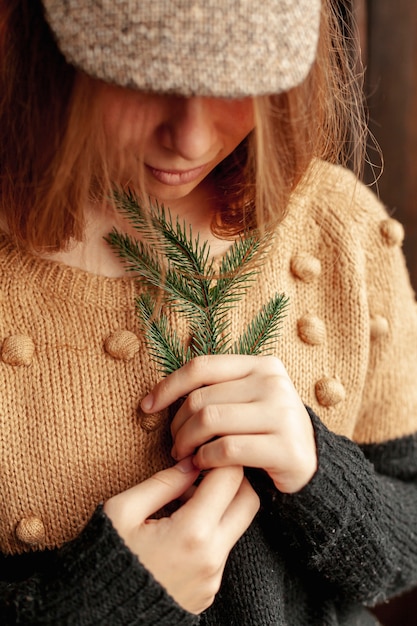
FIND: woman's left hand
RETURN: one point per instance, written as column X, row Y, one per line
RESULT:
column 239, row 410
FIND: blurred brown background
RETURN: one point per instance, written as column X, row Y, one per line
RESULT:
column 388, row 47
column 388, row 34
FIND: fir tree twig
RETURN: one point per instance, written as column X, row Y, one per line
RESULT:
column 170, row 261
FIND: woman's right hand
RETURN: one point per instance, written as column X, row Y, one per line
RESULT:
column 186, row 552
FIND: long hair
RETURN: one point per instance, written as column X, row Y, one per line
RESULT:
column 53, row 157
column 321, row 120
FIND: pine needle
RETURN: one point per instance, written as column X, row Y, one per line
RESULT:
column 169, row 260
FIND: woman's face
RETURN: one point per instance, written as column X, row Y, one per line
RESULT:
column 178, row 140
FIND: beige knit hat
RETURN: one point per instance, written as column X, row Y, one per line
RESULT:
column 223, row 48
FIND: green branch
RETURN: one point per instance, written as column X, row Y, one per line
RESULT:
column 167, row 258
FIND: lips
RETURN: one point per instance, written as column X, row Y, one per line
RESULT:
column 176, row 177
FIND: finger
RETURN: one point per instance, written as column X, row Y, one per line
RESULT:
column 200, row 371
column 214, row 495
column 220, row 421
column 239, row 391
column 261, row 451
column 290, row 462
column 144, row 499
column 240, row 513
column 184, row 497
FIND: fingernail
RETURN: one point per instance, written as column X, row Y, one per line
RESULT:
column 147, row 402
column 186, row 465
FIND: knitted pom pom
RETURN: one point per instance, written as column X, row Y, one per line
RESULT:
column 305, row 267
column 18, row 350
column 379, row 326
column 122, row 344
column 329, row 392
column 31, row 530
column 311, row 330
column 152, row 422
column 392, row 232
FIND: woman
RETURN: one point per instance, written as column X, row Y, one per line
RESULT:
column 232, row 121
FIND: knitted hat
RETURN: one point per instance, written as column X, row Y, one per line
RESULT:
column 221, row 48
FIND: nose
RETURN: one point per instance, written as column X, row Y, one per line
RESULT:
column 189, row 129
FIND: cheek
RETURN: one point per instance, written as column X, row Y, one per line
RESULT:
column 122, row 125
column 245, row 113
column 240, row 119
column 124, row 143
column 124, row 115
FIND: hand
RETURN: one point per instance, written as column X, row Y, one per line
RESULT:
column 240, row 410
column 186, row 552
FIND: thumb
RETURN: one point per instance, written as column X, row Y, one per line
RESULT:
column 141, row 501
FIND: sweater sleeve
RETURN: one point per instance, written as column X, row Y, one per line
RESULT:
column 355, row 523
column 92, row 580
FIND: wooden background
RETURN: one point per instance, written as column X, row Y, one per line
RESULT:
column 388, row 43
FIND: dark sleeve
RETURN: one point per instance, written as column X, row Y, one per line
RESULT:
column 355, row 523
column 92, row 580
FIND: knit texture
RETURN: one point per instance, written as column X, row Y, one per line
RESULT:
column 203, row 47
column 74, row 367
column 94, row 580
column 312, row 558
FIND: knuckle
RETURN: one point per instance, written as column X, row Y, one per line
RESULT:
column 210, row 571
column 208, row 416
column 195, row 400
column 229, row 449
column 198, row 366
column 197, row 538
column 273, row 364
column 270, row 384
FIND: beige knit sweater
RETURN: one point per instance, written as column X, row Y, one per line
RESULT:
column 74, row 367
